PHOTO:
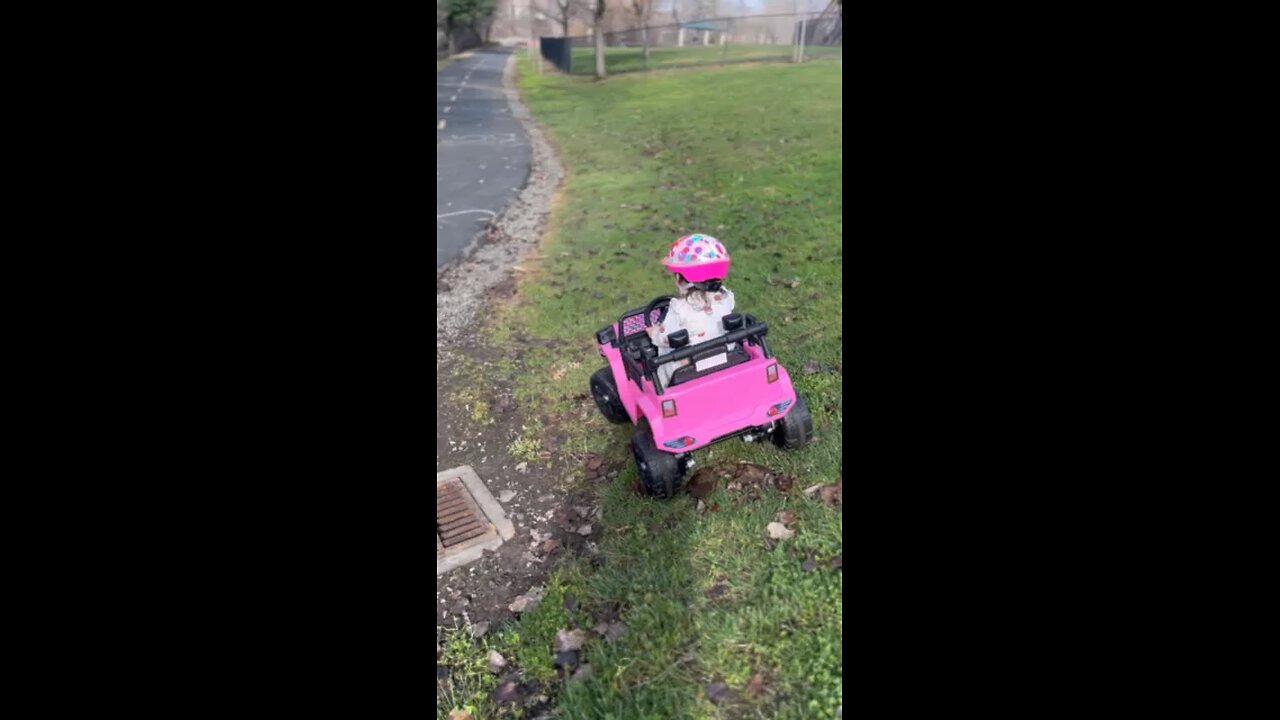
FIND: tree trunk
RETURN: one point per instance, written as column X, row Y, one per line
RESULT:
column 600, row 70
column 644, row 38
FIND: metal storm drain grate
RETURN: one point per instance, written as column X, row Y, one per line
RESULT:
column 458, row 518
column 468, row 519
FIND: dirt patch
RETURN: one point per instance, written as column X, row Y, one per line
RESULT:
column 550, row 498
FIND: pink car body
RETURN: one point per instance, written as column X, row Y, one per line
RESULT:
column 721, row 404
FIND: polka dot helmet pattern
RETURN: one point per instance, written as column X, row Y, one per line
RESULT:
column 698, row 257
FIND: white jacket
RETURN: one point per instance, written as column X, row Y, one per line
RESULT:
column 703, row 321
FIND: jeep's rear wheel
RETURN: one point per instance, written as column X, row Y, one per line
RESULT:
column 605, row 392
column 795, row 429
column 660, row 472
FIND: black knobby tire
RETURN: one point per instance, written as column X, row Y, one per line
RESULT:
column 796, row 428
column 605, row 392
column 660, row 472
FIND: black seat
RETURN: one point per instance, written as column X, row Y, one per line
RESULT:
column 736, row 356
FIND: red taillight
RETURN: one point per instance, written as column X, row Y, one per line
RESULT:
column 772, row 373
column 668, row 408
column 772, row 411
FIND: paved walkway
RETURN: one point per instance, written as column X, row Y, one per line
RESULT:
column 482, row 153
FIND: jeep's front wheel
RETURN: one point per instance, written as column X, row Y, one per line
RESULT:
column 605, row 391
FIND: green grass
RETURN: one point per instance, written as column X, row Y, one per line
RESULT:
column 619, row 60
column 751, row 154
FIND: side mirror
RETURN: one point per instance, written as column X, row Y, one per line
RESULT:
column 733, row 321
column 678, row 339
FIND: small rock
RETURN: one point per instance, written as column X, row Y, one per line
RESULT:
column 786, row 517
column 523, row 467
column 585, row 530
column 567, row 659
column 507, row 496
column 701, row 508
column 582, row 673
column 479, row 630
column 600, row 628
column 496, row 662
column 570, row 640
column 778, row 531
column 583, row 511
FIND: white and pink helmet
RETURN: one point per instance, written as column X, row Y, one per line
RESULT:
column 698, row 258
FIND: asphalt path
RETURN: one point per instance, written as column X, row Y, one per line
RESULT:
column 482, row 152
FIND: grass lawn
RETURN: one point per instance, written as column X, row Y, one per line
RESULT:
column 751, row 154
column 629, row 59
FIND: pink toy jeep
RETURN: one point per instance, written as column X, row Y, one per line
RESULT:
column 732, row 387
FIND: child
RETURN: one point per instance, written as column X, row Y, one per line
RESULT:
column 700, row 264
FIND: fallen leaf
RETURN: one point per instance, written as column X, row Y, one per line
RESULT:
column 715, row 507
column 784, row 483
column 459, row 715
column 778, row 531
column 717, row 591
column 507, row 692
column 570, row 640
column 832, row 494
column 594, row 464
column 616, row 631
column 809, row 564
column 786, row 517
column 794, row 283
column 755, row 687
column 585, row 530
column 837, row 562
column 550, row 545
column 812, row 490
column 496, row 662
column 701, row 508
column 718, row 692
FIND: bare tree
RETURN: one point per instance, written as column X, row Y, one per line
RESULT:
column 564, row 13
column 643, row 9
column 600, row 7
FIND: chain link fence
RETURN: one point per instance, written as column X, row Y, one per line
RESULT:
column 757, row 38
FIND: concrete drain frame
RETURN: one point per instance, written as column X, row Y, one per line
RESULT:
column 468, row 519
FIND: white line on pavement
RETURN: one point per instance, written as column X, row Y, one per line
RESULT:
column 490, row 213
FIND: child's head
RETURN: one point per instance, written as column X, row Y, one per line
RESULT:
column 700, row 262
